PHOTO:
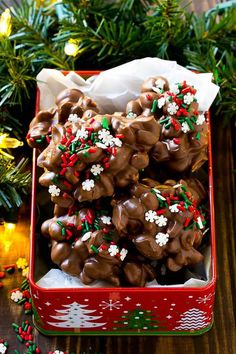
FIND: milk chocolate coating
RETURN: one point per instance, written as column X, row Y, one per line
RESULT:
column 131, row 217
column 179, row 150
column 121, row 168
column 137, row 273
column 69, row 259
column 69, row 101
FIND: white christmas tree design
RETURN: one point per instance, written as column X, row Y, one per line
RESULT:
column 76, row 315
column 193, row 319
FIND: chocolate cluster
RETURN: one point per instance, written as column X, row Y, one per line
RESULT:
column 111, row 221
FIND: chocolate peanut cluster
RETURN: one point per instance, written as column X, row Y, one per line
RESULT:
column 110, row 223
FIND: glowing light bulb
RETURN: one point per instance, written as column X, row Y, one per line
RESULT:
column 5, row 23
column 71, row 48
column 9, row 143
column 9, row 226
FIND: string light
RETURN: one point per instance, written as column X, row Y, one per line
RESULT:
column 71, row 47
column 8, row 143
column 5, row 24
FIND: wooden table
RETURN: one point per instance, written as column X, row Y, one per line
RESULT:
column 220, row 339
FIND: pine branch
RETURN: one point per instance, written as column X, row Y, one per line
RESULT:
column 14, row 181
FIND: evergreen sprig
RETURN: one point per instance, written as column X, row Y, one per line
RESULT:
column 14, row 181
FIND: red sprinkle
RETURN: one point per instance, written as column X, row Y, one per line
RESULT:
column 106, row 165
column 120, row 136
column 148, row 97
column 28, row 136
column 2, row 275
column 62, row 172
column 187, row 221
column 176, row 141
column 31, row 140
column 104, row 247
column 9, row 266
column 65, row 195
column 161, row 211
column 106, row 231
column 67, row 184
column 92, row 150
column 48, row 139
column 92, row 120
column 79, row 227
column 186, row 90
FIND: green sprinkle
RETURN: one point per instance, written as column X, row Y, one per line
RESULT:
column 86, row 154
column 97, row 227
column 183, row 187
column 189, row 123
column 154, row 106
column 63, row 231
column 107, row 238
column 104, row 123
column 16, row 351
column 15, row 326
column 61, row 147
column 162, row 121
column 39, row 140
column 190, row 226
column 20, row 302
column 73, row 147
column 60, row 223
column 198, row 136
column 167, row 126
column 94, row 249
column 86, row 226
column 19, row 338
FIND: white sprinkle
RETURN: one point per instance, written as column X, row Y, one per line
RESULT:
column 86, row 236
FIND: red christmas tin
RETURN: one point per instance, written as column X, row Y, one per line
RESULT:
column 160, row 310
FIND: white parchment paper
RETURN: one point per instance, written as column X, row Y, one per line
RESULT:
column 112, row 90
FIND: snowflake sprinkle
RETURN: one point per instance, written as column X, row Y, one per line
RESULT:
column 123, row 254
column 3, row 348
column 188, row 98
column 172, row 108
column 200, row 119
column 113, row 250
column 162, row 239
column 21, row 263
column 73, row 118
column 54, row 190
column 96, row 169
column 150, row 216
column 58, row 352
column 25, row 272
column 103, row 134
column 16, row 295
column 174, row 208
column 88, row 184
column 82, row 133
column 185, row 127
column 106, row 219
column 161, row 221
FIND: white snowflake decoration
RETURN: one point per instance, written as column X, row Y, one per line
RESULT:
column 185, row 127
column 73, row 118
column 103, row 134
column 106, row 219
column 54, row 190
column 3, row 348
column 113, row 250
column 131, row 115
column 174, row 208
column 204, row 299
column 172, row 108
column 161, row 102
column 161, row 220
column 188, row 98
column 162, row 239
column 150, row 216
column 58, row 352
column 82, row 133
column 116, row 305
column 88, row 185
column 86, row 236
column 200, row 119
column 174, row 89
column 96, row 169
column 16, row 295
column 123, row 254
